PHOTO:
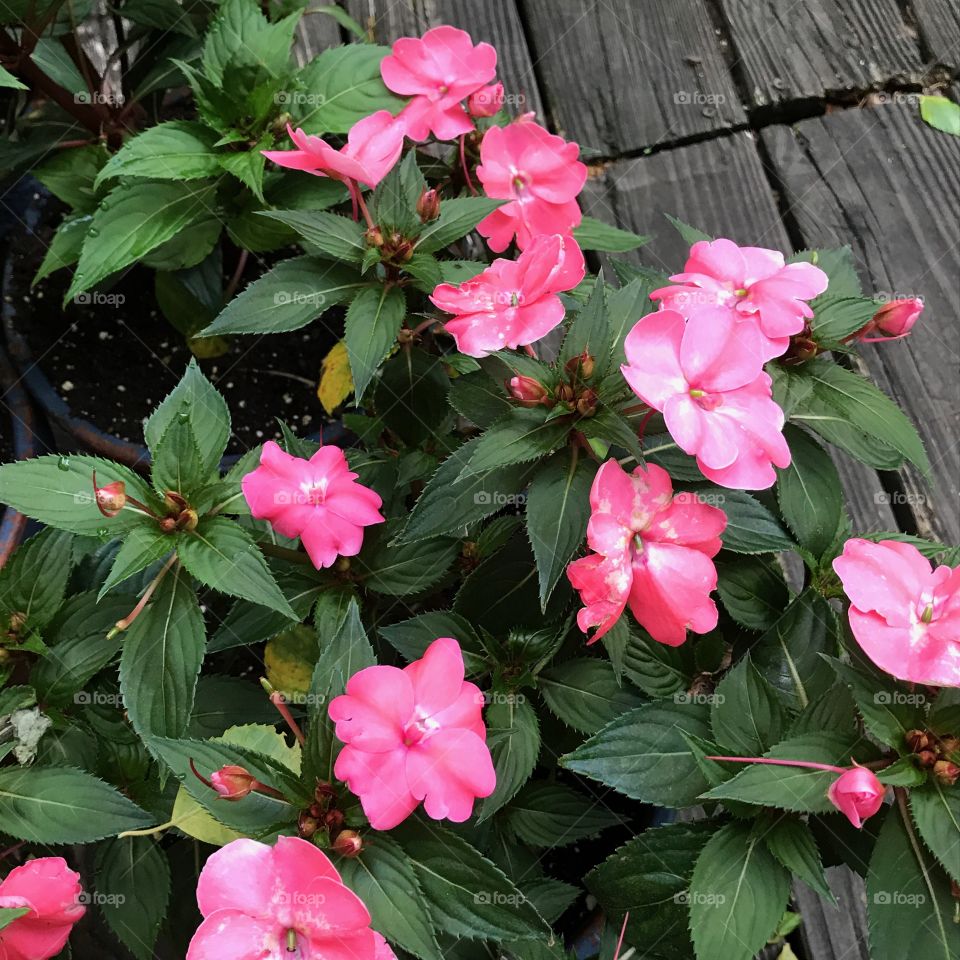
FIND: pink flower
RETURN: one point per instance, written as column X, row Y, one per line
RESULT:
column 233, row 782
column 486, row 102
column 893, row 320
column 528, row 392
column 752, row 283
column 706, row 376
column 539, row 174
column 414, row 734
column 651, row 550
column 317, row 500
column 857, row 794
column 52, row 892
column 272, row 903
column 512, row 302
column 373, row 147
column 439, row 69
column 904, row 614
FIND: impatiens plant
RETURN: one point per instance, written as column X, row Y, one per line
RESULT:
column 584, row 552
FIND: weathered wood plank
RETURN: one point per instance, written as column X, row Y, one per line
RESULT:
column 939, row 24
column 315, row 33
column 887, row 183
column 495, row 21
column 821, row 48
column 834, row 932
column 620, row 75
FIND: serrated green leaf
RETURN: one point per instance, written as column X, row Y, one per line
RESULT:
column 373, row 321
column 751, row 527
column 174, row 150
column 513, row 736
column 519, row 437
column 336, row 236
column 585, row 694
column 457, row 218
column 753, row 591
column 553, row 815
column 935, row 808
column 745, row 713
column 792, row 843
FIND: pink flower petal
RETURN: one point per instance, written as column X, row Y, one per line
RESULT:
column 448, row 771
column 380, row 781
column 652, row 349
column 233, row 935
column 437, row 677
column 375, row 709
column 218, row 889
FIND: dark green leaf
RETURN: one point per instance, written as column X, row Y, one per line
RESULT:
column 792, row 843
column 174, row 150
column 753, row 591
column 751, row 527
column 513, row 736
column 594, row 234
column 554, row 815
column 457, row 218
column 374, row 319
column 585, row 693
column 745, row 714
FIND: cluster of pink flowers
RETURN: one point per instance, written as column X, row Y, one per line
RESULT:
column 50, row 892
column 651, row 550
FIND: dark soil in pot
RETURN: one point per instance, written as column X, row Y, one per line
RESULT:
column 115, row 358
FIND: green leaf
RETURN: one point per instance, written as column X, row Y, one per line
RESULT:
column 657, row 669
column 888, row 710
column 866, row 409
column 691, row 235
column 519, row 437
column 161, row 658
column 648, row 878
column 513, row 736
column 594, row 234
column 613, row 428
column 65, row 246
column 374, row 319
column 340, row 238
column 395, row 199
column 342, row 655
column 795, row 788
column 585, row 694
column 839, row 267
column 644, row 755
column 175, row 150
column 134, row 874
column 384, row 879
column 554, row 815
column 792, row 843
column 457, row 218
column 222, row 555
column 558, row 508
column 8, row 80
column 248, row 166
column 809, row 493
column 78, row 646
column 287, row 297
column 910, row 912
column 788, row 654
column 625, row 306
column 58, row 491
column 590, row 332
column 836, row 318
column 9, row 914
column 936, row 812
column 242, row 35
column 63, row 805
column 133, row 220
column 345, row 86
column 412, row 637
column 400, row 569
column 51, row 56
column 745, row 713
column 140, row 548
column 411, row 395
column 753, row 591
column 941, row 113
column 34, row 580
column 737, row 895
column 751, row 527
column 465, row 892
column 479, row 398
column 70, row 176
column 445, row 507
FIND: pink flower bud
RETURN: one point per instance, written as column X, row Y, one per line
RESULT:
column 487, row 101
column 896, row 319
column 428, row 206
column 527, row 391
column 857, row 794
column 110, row 498
column 233, row 782
column 348, row 843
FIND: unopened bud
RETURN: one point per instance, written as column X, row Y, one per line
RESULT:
column 348, row 843
column 918, row 740
column 487, row 101
column 587, row 403
column 111, row 498
column 18, row 621
column 375, row 237
column 582, row 365
column 428, row 206
column 307, row 825
column 565, row 393
column 948, row 745
column 527, row 391
column 896, row 318
column 803, row 349
column 168, row 524
column 926, row 758
column 233, row 782
column 342, row 565
column 188, row 520
column 405, row 335
column 946, row 772
column 333, row 819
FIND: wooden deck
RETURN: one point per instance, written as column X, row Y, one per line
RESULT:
column 776, row 123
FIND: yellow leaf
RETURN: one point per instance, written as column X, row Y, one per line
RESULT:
column 289, row 658
column 787, row 953
column 194, row 821
column 336, row 380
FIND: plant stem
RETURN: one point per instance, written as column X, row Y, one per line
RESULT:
column 783, row 763
column 358, row 193
column 283, row 553
column 124, row 624
column 276, row 698
column 237, row 274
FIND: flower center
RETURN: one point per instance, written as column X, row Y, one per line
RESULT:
column 418, row 730
column 706, row 401
column 927, row 615
column 443, row 89
column 291, row 945
column 520, row 181
column 315, row 492
column 514, row 299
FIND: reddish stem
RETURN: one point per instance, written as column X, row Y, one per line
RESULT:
column 276, row 698
column 125, row 623
column 358, row 197
column 643, row 424
column 783, row 763
column 528, row 349
column 463, row 163
column 623, row 930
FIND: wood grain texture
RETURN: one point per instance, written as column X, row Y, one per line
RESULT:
column 834, row 932
column 495, row 21
column 939, row 24
column 819, row 48
column 886, row 183
column 619, row 75
column 315, row 33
